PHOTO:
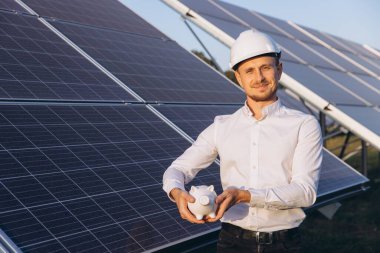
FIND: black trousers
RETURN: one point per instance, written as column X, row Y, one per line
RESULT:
column 233, row 239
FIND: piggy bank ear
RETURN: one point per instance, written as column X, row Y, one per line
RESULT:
column 210, row 188
column 192, row 189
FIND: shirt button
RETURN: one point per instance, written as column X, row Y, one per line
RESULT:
column 254, row 167
column 253, row 143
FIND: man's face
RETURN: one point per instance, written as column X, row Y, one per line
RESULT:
column 259, row 77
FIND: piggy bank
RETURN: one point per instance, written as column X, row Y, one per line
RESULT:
column 204, row 201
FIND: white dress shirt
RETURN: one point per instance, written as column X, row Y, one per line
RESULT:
column 277, row 159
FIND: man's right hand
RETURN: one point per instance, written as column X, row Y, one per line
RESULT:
column 182, row 198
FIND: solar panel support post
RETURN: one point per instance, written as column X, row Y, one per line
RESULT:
column 364, row 158
column 322, row 122
column 203, row 45
column 342, row 151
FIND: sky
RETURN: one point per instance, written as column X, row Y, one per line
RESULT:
column 356, row 20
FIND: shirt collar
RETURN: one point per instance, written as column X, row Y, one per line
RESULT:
column 266, row 111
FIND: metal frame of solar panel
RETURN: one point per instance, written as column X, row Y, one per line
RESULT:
column 86, row 175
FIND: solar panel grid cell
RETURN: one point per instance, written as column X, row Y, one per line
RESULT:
column 37, row 64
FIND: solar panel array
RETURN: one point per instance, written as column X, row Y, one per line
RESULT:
column 80, row 170
column 342, row 72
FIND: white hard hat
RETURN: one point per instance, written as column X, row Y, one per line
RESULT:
column 250, row 44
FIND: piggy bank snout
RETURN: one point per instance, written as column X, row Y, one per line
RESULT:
column 204, row 200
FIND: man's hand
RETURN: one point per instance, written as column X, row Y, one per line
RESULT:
column 228, row 198
column 182, row 198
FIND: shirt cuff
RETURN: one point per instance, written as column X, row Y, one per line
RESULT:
column 257, row 197
column 170, row 185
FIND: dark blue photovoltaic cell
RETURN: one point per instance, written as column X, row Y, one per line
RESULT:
column 110, row 14
column 37, row 64
column 335, row 174
column 156, row 69
column 364, row 114
column 11, row 5
column 68, row 184
column 320, row 85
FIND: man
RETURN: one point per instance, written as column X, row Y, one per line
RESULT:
column 270, row 158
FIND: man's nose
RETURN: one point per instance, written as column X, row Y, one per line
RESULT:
column 258, row 77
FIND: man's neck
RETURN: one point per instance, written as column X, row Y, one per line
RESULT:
column 257, row 106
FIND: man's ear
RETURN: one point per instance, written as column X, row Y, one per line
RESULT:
column 238, row 78
column 279, row 70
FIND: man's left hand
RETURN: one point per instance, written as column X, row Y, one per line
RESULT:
column 228, row 198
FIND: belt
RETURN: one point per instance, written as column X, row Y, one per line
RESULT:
column 260, row 237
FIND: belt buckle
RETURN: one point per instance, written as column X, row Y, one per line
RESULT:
column 264, row 237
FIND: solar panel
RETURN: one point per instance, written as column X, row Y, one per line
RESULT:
column 364, row 114
column 371, row 81
column 88, row 178
column 320, row 85
column 11, row 5
column 341, row 44
column 156, row 69
column 102, row 13
column 365, row 92
column 335, row 174
column 209, row 9
column 37, row 64
column 303, row 52
column 286, row 29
